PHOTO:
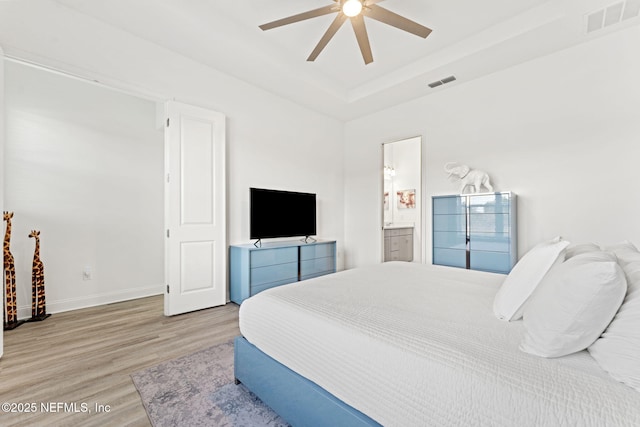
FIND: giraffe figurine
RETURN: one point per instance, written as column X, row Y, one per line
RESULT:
column 11, row 321
column 38, row 304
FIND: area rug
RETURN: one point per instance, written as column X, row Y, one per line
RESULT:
column 198, row 390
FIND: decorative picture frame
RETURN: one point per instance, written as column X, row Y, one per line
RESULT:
column 406, row 199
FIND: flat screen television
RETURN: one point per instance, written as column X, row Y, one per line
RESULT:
column 275, row 213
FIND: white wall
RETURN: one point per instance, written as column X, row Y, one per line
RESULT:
column 84, row 166
column 2, row 174
column 271, row 142
column 560, row 131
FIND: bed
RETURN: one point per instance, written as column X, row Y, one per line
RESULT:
column 406, row 344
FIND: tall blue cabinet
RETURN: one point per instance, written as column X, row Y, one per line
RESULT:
column 475, row 231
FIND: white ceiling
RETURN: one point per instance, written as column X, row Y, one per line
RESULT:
column 469, row 39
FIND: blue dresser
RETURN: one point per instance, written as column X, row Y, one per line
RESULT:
column 475, row 231
column 253, row 269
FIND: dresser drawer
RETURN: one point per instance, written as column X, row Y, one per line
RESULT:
column 497, row 262
column 313, row 267
column 264, row 257
column 274, row 273
column 489, row 223
column 400, row 242
column 493, row 242
column 394, row 232
column 450, row 223
column 450, row 257
column 450, row 239
column 319, row 250
column 449, row 205
column 263, row 287
column 395, row 256
column 490, row 203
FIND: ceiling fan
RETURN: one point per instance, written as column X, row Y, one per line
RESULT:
column 354, row 10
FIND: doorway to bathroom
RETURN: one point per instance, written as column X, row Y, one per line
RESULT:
column 402, row 200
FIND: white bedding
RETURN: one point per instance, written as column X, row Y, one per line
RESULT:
column 418, row 345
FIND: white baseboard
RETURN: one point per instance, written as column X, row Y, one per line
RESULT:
column 59, row 306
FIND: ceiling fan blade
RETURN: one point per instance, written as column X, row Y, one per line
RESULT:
column 328, row 35
column 357, row 22
column 300, row 17
column 383, row 15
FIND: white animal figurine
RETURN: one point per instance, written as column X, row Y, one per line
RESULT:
column 468, row 177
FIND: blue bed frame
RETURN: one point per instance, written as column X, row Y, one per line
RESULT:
column 296, row 399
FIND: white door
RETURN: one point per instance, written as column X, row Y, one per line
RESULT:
column 195, row 249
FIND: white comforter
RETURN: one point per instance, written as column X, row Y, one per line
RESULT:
column 418, row 345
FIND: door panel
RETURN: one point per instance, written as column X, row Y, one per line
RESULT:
column 197, row 167
column 197, row 266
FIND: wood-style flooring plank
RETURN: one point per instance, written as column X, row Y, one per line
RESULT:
column 86, row 357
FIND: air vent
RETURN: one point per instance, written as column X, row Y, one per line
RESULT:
column 612, row 14
column 441, row 82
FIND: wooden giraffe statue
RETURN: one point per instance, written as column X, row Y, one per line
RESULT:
column 11, row 321
column 38, row 304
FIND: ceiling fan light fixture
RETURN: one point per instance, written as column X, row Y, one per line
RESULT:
column 354, row 11
column 352, row 8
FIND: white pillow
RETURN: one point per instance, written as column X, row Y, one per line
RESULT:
column 625, row 251
column 618, row 350
column 573, row 305
column 525, row 276
column 582, row 248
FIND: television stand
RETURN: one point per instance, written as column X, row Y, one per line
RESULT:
column 253, row 269
column 308, row 239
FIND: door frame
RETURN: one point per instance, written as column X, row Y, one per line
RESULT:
column 420, row 232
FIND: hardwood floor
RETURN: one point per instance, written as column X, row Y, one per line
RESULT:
column 85, row 357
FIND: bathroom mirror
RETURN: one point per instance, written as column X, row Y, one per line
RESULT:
column 402, row 200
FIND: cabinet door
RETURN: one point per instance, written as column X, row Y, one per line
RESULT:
column 405, row 248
